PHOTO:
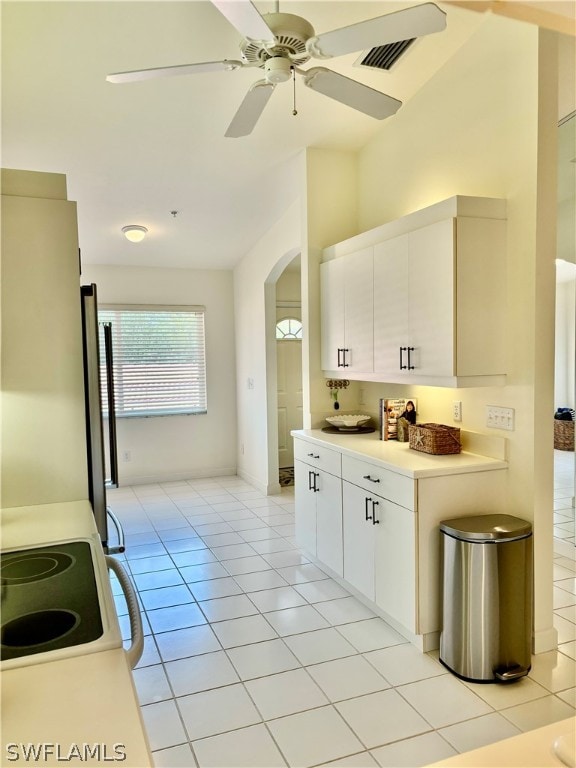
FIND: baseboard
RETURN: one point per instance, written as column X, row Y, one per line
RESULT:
column 262, row 487
column 546, row 640
column 169, row 477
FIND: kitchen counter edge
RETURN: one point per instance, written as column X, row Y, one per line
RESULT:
column 399, row 457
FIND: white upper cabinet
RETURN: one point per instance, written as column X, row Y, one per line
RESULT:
column 414, row 314
column 424, row 301
column 347, row 296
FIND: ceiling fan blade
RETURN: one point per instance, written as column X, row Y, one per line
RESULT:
column 183, row 69
column 351, row 93
column 402, row 25
column 250, row 110
column 247, row 20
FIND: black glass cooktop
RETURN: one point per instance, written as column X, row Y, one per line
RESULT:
column 49, row 599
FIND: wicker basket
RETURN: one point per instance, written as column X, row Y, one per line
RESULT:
column 563, row 435
column 435, row 438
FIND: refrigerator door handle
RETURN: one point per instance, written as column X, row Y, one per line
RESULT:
column 120, row 547
column 134, row 653
column 95, row 438
column 112, row 445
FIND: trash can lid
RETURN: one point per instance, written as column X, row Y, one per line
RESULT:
column 486, row 527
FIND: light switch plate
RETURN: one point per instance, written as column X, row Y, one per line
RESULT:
column 500, row 418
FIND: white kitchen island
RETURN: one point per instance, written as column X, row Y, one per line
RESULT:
column 369, row 511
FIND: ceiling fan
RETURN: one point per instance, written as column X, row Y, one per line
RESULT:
column 280, row 43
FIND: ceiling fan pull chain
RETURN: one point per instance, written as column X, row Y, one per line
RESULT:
column 294, row 110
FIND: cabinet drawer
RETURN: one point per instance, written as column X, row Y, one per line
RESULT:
column 390, row 485
column 317, row 456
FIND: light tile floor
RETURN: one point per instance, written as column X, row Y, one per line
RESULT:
column 564, row 515
column 255, row 657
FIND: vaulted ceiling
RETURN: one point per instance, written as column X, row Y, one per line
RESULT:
column 134, row 153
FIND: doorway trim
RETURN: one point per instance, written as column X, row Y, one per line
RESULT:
column 271, row 369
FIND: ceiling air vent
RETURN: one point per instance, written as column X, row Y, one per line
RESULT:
column 385, row 56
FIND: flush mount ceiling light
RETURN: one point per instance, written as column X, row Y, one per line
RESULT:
column 134, row 232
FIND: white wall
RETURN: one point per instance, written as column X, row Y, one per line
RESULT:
column 168, row 448
column 565, row 380
column 255, row 318
column 330, row 215
column 288, row 286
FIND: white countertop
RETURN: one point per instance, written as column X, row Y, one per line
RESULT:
column 84, row 700
column 534, row 749
column 39, row 525
column 399, row 457
column 58, row 702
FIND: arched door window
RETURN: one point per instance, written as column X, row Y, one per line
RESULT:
column 289, row 329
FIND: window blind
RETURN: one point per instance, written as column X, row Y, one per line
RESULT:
column 159, row 359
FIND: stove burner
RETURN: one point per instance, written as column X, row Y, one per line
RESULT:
column 38, row 628
column 34, row 566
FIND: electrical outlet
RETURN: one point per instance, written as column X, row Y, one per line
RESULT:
column 499, row 418
column 126, row 456
column 361, row 396
column 457, row 410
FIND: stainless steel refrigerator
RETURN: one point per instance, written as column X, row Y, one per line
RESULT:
column 99, row 379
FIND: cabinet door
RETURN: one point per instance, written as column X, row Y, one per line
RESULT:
column 391, row 330
column 359, row 311
column 395, row 561
column 332, row 313
column 347, row 301
column 305, row 507
column 329, row 522
column 358, row 539
column 432, row 300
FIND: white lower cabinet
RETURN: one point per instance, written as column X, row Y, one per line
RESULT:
column 318, row 513
column 380, row 552
column 378, row 529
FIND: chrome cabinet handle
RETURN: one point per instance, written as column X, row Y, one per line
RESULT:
column 134, row 653
column 313, row 455
column 374, row 505
column 315, row 487
column 340, row 362
column 344, row 363
column 366, row 502
column 372, row 479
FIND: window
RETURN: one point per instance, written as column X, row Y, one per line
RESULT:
column 159, row 359
column 288, row 329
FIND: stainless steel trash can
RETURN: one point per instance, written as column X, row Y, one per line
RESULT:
column 487, row 597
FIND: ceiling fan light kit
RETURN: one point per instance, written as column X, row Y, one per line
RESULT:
column 278, row 69
column 280, row 43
